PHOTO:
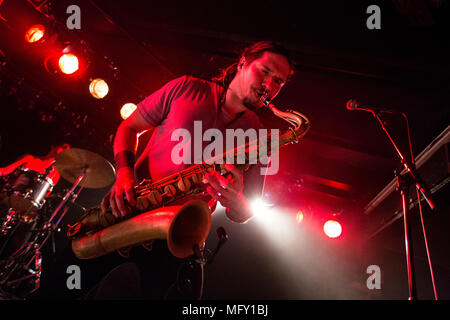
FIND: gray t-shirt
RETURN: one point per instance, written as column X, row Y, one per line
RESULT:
column 178, row 104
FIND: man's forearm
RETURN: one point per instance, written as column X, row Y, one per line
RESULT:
column 125, row 139
column 125, row 144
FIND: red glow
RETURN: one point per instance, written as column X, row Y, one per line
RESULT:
column 35, row 33
column 68, row 63
column 332, row 228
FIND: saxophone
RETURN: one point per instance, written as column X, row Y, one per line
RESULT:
column 182, row 226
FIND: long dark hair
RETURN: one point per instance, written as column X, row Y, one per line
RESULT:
column 251, row 53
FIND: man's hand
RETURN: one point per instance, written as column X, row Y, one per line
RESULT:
column 124, row 184
column 229, row 192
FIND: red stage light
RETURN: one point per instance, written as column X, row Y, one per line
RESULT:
column 332, row 228
column 68, row 63
column 35, row 33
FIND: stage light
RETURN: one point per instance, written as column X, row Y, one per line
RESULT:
column 277, row 225
column 127, row 109
column 332, row 228
column 98, row 88
column 70, row 60
column 300, row 216
column 35, row 33
column 260, row 208
column 68, row 63
column 257, row 206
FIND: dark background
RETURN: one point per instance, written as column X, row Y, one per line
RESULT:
column 340, row 166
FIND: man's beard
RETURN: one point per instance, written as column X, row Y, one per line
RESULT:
column 251, row 104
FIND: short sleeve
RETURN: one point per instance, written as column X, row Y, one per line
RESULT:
column 155, row 108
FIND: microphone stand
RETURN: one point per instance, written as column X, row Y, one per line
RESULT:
column 403, row 184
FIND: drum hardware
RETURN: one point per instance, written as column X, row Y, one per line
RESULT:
column 23, row 268
column 71, row 202
column 69, row 195
column 33, row 273
column 9, row 221
column 20, row 274
column 85, row 169
column 14, row 217
column 26, row 190
column 72, row 163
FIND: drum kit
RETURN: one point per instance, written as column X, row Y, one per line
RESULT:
column 28, row 219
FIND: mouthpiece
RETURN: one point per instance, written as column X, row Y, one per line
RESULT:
column 266, row 100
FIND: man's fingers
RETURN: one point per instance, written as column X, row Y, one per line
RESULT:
column 220, row 184
column 121, row 205
column 237, row 173
column 104, row 204
column 213, row 193
column 224, row 183
column 130, row 196
column 112, row 204
column 216, row 195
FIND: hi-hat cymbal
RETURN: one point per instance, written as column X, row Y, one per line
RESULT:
column 71, row 164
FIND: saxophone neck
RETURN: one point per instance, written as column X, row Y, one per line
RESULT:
column 300, row 124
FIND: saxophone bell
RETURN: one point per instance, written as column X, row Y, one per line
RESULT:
column 183, row 227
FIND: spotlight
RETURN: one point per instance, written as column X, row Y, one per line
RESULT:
column 276, row 222
column 69, row 60
column 127, row 109
column 332, row 228
column 98, row 88
column 300, row 216
column 68, row 63
column 35, row 33
column 260, row 208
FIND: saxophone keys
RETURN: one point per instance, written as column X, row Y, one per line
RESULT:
column 197, row 178
column 124, row 252
column 170, row 190
column 148, row 245
column 183, row 184
column 142, row 203
column 154, row 197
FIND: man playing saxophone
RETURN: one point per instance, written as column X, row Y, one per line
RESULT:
column 227, row 102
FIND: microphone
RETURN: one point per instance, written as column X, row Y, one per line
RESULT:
column 352, row 104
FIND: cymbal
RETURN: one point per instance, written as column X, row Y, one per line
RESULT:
column 71, row 163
